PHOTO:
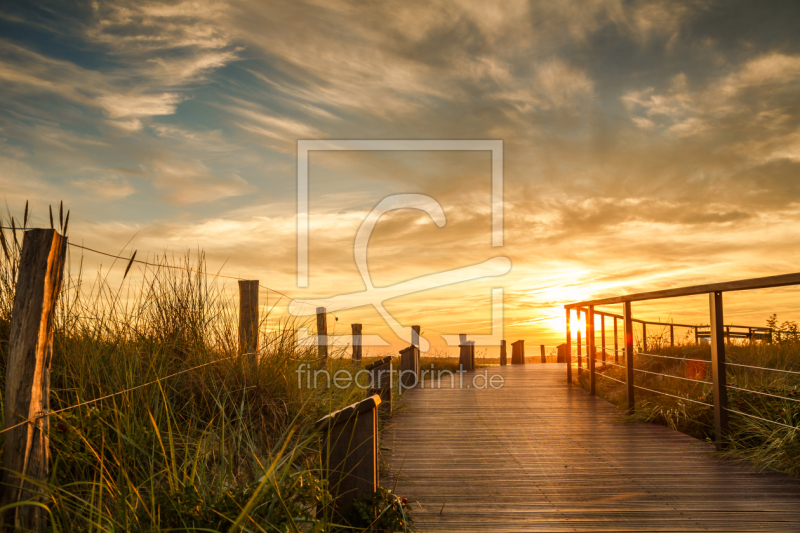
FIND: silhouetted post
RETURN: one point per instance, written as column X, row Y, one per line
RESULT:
column 415, row 336
column 544, row 357
column 569, row 348
column 26, row 449
column 503, row 354
column 350, row 451
column 409, row 366
column 466, row 360
column 380, row 372
column 718, row 373
column 590, row 347
column 578, row 341
column 356, row 330
column 248, row 319
column 696, row 336
column 603, row 335
column 322, row 335
column 616, row 342
column 644, row 337
column 518, row 352
column 628, row 330
column 671, row 336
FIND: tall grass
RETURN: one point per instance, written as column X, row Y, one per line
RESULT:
column 767, row 445
column 212, row 444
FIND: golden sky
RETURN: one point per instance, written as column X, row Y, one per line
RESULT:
column 646, row 145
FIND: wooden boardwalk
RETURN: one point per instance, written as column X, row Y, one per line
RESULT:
column 539, row 455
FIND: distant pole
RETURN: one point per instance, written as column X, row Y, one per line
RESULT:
column 27, row 395
column 644, row 336
column 616, row 342
column 671, row 335
column 248, row 319
column 590, row 347
column 718, row 374
column 628, row 329
column 322, row 335
column 415, row 336
column 356, row 329
column 569, row 348
column 503, row 353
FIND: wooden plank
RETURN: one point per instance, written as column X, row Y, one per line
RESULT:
column 727, row 286
column 538, row 455
column 26, row 448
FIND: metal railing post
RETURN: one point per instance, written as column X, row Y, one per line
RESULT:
column 718, row 374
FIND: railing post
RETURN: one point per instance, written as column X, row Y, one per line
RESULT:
column 356, row 329
column 518, row 352
column 603, row 335
column 350, row 451
column 27, row 396
column 644, row 337
column 696, row 337
column 248, row 319
column 415, row 336
column 590, row 347
column 322, row 335
column 628, row 331
column 616, row 342
column 579, row 342
column 671, row 336
column 503, row 354
column 544, row 357
column 409, row 367
column 569, row 348
column 718, row 374
column 380, row 373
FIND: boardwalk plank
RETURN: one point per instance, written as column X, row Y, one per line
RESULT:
column 539, row 455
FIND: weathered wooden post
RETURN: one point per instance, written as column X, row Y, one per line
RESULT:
column 26, row 450
column 590, row 347
column 718, row 372
column 415, row 336
column 503, row 354
column 518, row 352
column 568, row 357
column 466, row 356
column 628, row 330
column 350, row 451
column 644, row 337
column 671, row 335
column 322, row 335
column 696, row 337
column 616, row 342
column 603, row 335
column 356, row 331
column 579, row 342
column 380, row 372
column 409, row 366
column 248, row 320
column 544, row 357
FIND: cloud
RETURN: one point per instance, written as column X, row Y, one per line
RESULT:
column 105, row 188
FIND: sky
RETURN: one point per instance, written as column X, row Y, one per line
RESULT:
column 646, row 145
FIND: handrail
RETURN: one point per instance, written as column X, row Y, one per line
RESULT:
column 726, row 286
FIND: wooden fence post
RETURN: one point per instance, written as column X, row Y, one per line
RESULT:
column 248, row 320
column 671, row 335
column 590, row 347
column 415, row 336
column 569, row 349
column 718, row 373
column 350, row 451
column 616, row 342
column 380, row 373
column 603, row 335
column 578, row 341
column 503, row 354
column 27, row 396
column 322, row 335
column 518, row 352
column 544, row 357
column 409, row 366
column 466, row 356
column 628, row 331
column 356, row 330
column 696, row 337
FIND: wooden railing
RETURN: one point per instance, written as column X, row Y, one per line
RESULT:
column 718, row 333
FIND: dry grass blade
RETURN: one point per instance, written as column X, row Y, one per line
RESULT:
column 51, row 217
column 66, row 224
column 130, row 264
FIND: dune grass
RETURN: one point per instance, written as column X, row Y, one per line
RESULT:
column 767, row 445
column 211, row 442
